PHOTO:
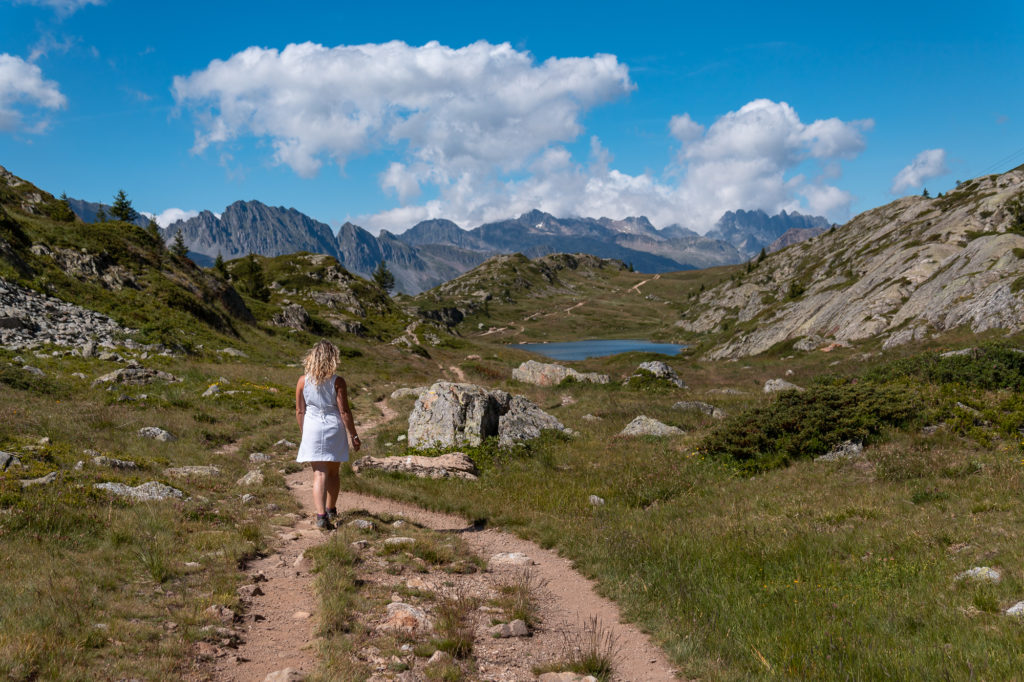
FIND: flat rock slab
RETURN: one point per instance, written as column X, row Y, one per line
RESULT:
column 286, row 675
column 777, row 385
column 135, row 376
column 451, row 465
column 42, row 480
column 551, row 374
column 404, row 617
column 254, row 477
column 146, row 492
column 112, row 463
column 516, row 628
column 981, row 574
column 702, row 407
column 645, row 426
column 156, row 433
column 509, row 560
column 192, row 472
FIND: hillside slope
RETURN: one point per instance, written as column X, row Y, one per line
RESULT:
column 900, row 272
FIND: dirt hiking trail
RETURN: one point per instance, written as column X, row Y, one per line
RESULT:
column 279, row 624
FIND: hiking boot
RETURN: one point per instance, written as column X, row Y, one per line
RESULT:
column 324, row 523
column 332, row 515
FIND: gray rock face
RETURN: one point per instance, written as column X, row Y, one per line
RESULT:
column 42, row 480
column 8, row 460
column 293, row 316
column 550, row 374
column 451, row 465
column 645, row 426
column 703, row 408
column 147, row 492
column 449, row 415
column 254, row 477
column 414, row 392
column 135, row 376
column 156, row 433
column 110, row 462
column 776, row 385
column 845, row 450
column 660, row 370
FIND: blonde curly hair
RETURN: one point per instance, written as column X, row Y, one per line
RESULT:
column 321, row 362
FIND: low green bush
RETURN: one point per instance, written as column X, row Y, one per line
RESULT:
column 989, row 367
column 806, row 424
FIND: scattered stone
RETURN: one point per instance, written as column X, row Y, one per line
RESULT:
column 79, row 465
column 248, row 498
column 399, row 541
column 249, row 591
column 400, row 437
column 254, row 477
column 981, row 574
column 34, row 370
column 292, row 316
column 112, row 463
column 88, row 349
column 789, row 373
column 192, row 471
column 660, row 370
column 974, row 352
column 596, row 501
column 78, row 375
column 156, row 433
column 930, row 429
column 361, row 524
column 845, row 450
column 776, row 385
column 42, row 480
column 284, row 443
column 566, row 677
column 259, row 457
column 645, row 426
column 703, row 408
column 407, row 618
column 108, row 356
column 211, row 390
column 591, row 418
column 359, row 545
column 509, row 560
column 135, row 376
column 221, row 613
column 286, row 675
column 8, row 460
column 727, row 391
column 1016, row 610
column 398, row 524
column 415, row 392
column 232, row 352
column 302, row 562
column 516, row 628
column 149, row 491
column 451, row 465
column 301, row 615
column 442, row 657
column 567, row 400
column 451, row 414
column 545, row 374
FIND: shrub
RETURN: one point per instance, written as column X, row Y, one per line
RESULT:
column 989, row 367
column 807, row 424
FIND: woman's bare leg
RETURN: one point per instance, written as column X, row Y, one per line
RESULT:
column 333, row 484
column 320, row 485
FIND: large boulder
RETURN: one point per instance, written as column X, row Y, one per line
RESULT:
column 146, row 492
column 702, row 407
column 451, row 465
column 660, row 370
column 779, row 385
column 544, row 374
column 645, row 426
column 450, row 415
column 292, row 316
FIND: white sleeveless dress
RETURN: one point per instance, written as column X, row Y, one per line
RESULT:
column 324, row 438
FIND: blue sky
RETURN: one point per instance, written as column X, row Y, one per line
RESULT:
column 394, row 113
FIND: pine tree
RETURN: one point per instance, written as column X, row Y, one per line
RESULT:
column 252, row 279
column 219, row 266
column 925, row 193
column 383, row 277
column 154, row 231
column 761, row 256
column 122, row 208
column 101, row 215
column 61, row 211
column 178, row 247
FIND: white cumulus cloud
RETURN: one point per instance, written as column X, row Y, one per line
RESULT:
column 172, row 215
column 454, row 111
column 930, row 163
column 23, row 90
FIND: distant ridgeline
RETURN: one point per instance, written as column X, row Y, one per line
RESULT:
column 435, row 251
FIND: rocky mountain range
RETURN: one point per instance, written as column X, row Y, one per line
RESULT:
column 901, row 272
column 435, row 251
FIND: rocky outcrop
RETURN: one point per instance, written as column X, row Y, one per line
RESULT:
column 451, row 465
column 135, row 376
column 660, row 370
column 29, row 319
column 645, row 426
column 901, row 272
column 778, row 385
column 450, row 414
column 292, row 316
column 146, row 492
column 848, row 449
column 703, row 408
column 550, row 374
column 156, row 433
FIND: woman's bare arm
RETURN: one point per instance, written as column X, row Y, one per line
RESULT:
column 341, row 393
column 300, row 402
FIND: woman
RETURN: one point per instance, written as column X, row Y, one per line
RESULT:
column 321, row 407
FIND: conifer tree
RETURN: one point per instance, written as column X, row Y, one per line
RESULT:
column 761, row 256
column 219, row 266
column 925, row 193
column 154, row 231
column 122, row 208
column 62, row 210
column 383, row 277
column 178, row 247
column 101, row 215
column 252, row 279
